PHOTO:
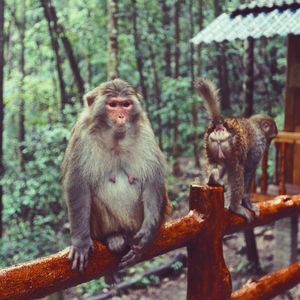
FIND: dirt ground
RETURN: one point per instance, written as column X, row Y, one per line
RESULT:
column 234, row 254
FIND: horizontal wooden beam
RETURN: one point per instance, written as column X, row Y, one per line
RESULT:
column 269, row 211
column 287, row 137
column 270, row 285
column 44, row 276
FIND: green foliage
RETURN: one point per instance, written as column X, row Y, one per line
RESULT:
column 34, row 212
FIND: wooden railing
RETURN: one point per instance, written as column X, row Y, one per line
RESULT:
column 202, row 231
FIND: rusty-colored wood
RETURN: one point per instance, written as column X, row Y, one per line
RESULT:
column 287, row 137
column 264, row 175
column 282, row 169
column 208, row 277
column 53, row 273
column 269, row 211
column 270, row 285
column 277, row 164
column 292, row 107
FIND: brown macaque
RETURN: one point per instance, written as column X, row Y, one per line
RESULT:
column 113, row 176
column 234, row 148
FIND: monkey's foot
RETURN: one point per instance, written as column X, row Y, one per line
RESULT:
column 131, row 257
column 242, row 211
column 116, row 243
column 112, row 179
column 79, row 256
column 131, row 179
column 246, row 202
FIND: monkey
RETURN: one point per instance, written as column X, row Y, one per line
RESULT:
column 234, row 148
column 113, row 176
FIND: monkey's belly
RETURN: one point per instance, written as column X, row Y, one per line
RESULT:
column 117, row 207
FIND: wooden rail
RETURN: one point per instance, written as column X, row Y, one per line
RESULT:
column 201, row 230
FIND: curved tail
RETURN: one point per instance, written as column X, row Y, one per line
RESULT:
column 209, row 92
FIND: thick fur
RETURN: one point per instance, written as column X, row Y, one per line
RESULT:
column 241, row 143
column 98, row 207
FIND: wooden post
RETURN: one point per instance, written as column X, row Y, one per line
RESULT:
column 292, row 107
column 208, row 276
column 264, row 175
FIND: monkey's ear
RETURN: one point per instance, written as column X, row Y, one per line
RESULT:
column 90, row 97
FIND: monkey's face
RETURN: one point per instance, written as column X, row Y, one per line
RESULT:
column 118, row 111
column 266, row 124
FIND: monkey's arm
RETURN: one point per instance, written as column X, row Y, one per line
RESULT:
column 79, row 208
column 153, row 199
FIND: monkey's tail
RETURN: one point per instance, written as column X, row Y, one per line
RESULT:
column 209, row 92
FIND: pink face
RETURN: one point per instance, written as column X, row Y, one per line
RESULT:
column 118, row 110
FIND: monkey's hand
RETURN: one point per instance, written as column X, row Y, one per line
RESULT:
column 141, row 239
column 79, row 254
column 214, row 178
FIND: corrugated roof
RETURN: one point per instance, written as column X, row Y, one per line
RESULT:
column 256, row 19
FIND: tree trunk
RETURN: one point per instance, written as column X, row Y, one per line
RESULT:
column 199, row 47
column 175, row 148
column 222, row 66
column 249, row 80
column 138, row 51
column 21, row 125
column 195, row 107
column 1, row 108
column 60, row 32
column 112, row 51
column 157, row 92
column 166, row 22
column 64, row 99
column 251, row 248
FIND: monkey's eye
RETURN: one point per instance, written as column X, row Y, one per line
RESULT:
column 112, row 104
column 126, row 104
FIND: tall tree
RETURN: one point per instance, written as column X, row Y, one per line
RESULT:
column 222, row 65
column 157, row 90
column 249, row 76
column 175, row 148
column 166, row 22
column 21, row 130
column 112, row 51
column 1, row 107
column 138, row 50
column 64, row 99
column 194, row 106
column 60, row 32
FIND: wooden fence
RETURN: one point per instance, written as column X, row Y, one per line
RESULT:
column 202, row 231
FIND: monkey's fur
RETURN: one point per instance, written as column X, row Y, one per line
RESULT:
column 113, row 178
column 236, row 145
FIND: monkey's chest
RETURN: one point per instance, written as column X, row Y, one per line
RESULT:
column 117, row 205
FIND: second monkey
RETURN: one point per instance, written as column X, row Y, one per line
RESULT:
column 237, row 146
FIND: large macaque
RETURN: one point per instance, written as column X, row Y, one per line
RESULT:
column 234, row 147
column 113, row 176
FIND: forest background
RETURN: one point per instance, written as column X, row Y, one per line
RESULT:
column 55, row 51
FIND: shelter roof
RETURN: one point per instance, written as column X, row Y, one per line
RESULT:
column 256, row 19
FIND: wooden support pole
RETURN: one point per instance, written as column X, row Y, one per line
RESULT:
column 208, row 277
column 53, row 273
column 270, row 285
